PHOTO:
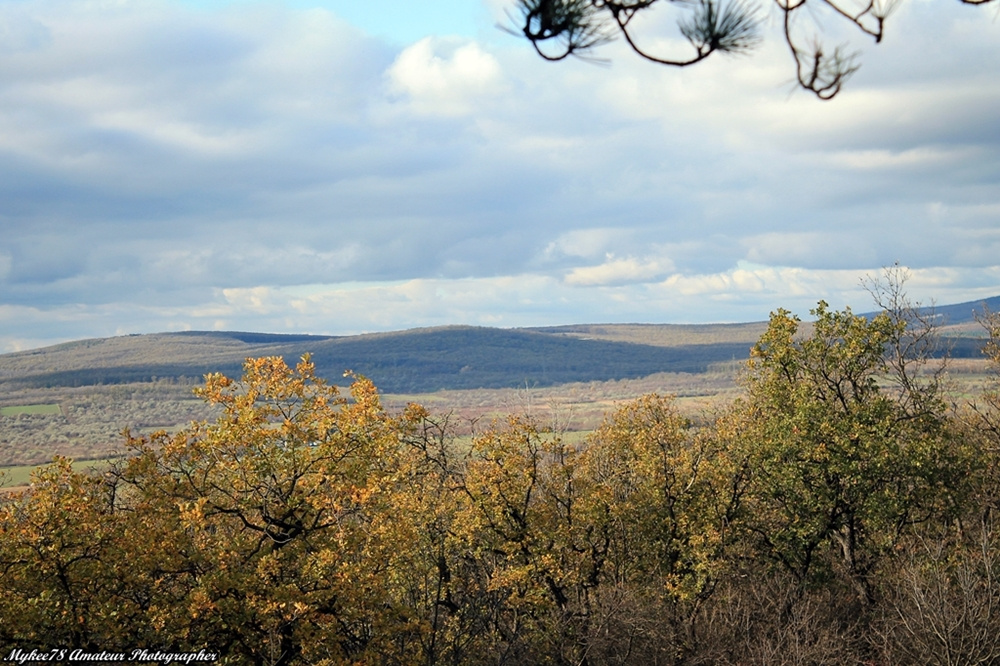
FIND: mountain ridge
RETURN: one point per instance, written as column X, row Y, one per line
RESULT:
column 430, row 358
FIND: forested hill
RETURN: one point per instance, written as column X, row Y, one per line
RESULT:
column 959, row 314
column 455, row 357
column 964, row 313
column 423, row 360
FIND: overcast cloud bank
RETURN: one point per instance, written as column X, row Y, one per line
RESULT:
column 258, row 167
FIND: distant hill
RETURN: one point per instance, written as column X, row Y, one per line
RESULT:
column 959, row 314
column 964, row 313
column 420, row 360
column 663, row 335
column 430, row 359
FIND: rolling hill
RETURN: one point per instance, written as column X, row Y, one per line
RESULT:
column 430, row 359
column 420, row 360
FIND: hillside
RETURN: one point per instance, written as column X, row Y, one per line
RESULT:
column 430, row 359
column 76, row 398
column 964, row 313
column 420, row 360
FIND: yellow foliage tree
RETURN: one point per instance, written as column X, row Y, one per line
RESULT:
column 286, row 515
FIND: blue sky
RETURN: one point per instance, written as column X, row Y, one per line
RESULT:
column 400, row 22
column 342, row 167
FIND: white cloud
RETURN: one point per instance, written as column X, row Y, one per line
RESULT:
column 253, row 300
column 815, row 249
column 767, row 282
column 267, row 168
column 584, row 243
column 619, row 271
column 446, row 77
column 924, row 156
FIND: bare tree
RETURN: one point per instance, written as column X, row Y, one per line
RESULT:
column 915, row 354
column 943, row 605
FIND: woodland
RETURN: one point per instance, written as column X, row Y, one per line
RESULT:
column 841, row 510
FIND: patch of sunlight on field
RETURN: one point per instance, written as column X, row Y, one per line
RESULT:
column 20, row 475
column 403, row 398
column 17, row 410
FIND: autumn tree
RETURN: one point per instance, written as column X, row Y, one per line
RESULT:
column 826, row 513
column 535, row 556
column 59, row 564
column 276, row 535
column 288, row 518
column 668, row 495
column 603, row 551
column 442, row 579
column 842, row 463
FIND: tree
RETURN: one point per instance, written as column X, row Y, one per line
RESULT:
column 538, row 553
column 284, row 522
column 601, row 552
column 988, row 411
column 838, row 513
column 841, row 462
column 558, row 29
column 60, row 560
column 942, row 603
column 667, row 496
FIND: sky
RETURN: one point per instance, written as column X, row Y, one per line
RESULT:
column 343, row 167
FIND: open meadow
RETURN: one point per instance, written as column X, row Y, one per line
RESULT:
column 86, row 423
column 76, row 399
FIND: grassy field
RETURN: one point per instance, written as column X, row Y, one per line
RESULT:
column 20, row 476
column 16, row 410
column 53, row 403
column 86, row 423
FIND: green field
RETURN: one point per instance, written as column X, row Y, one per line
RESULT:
column 29, row 409
column 12, row 477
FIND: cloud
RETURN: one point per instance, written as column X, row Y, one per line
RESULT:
column 446, row 77
column 271, row 168
column 815, row 249
column 618, row 271
column 744, row 293
column 585, row 243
